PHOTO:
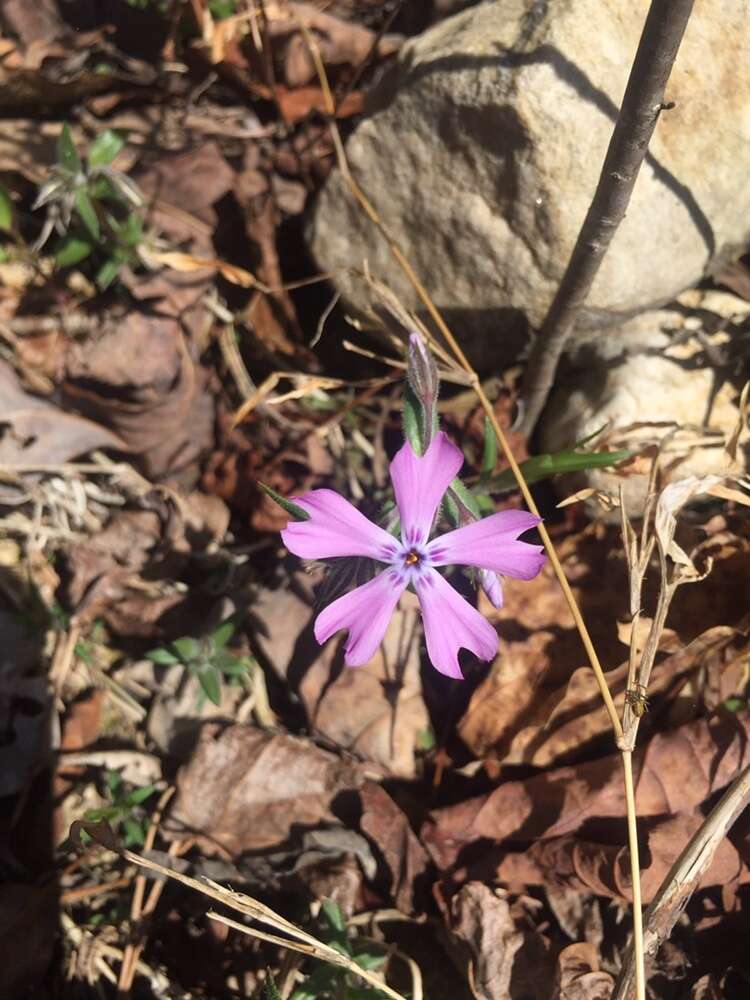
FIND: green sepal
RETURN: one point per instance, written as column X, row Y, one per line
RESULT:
column 295, row 512
column 489, row 452
column 413, row 420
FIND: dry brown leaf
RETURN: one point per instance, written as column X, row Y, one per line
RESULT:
column 561, row 801
column 387, row 826
column 188, row 263
column 507, row 960
column 35, row 432
column 375, row 711
column 604, row 868
column 140, row 380
column 249, row 790
column 579, row 976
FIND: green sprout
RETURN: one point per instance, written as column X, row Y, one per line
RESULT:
column 207, row 658
column 330, row 982
column 124, row 809
column 91, row 207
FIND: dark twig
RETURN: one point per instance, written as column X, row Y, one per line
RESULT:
column 641, row 106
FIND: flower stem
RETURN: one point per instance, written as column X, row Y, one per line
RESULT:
column 635, row 872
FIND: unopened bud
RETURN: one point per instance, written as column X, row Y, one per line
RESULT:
column 490, row 583
column 422, row 371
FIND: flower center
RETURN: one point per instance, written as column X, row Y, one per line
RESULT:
column 412, row 558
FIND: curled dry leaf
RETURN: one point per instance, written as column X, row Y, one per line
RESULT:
column 140, row 380
column 604, row 868
column 35, row 432
column 671, row 500
column 579, row 976
column 388, row 828
column 249, row 790
column 507, row 959
column 668, row 780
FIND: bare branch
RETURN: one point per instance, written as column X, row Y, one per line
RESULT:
column 641, row 106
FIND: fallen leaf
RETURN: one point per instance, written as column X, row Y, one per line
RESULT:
column 248, row 790
column 560, row 801
column 141, row 381
column 388, row 828
column 35, row 432
column 484, row 923
column 579, row 976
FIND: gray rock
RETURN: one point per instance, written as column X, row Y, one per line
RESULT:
column 483, row 147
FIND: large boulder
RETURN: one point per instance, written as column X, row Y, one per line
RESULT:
column 483, row 147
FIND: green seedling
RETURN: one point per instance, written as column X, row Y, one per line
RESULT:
column 207, row 658
column 124, row 809
column 92, row 207
column 329, row 982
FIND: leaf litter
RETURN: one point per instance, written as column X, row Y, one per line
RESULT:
column 136, row 423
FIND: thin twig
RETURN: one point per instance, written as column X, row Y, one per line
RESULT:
column 685, row 875
column 635, row 875
column 641, row 105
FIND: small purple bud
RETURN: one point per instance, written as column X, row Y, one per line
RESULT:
column 491, row 585
column 422, row 371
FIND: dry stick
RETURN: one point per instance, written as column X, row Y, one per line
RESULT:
column 685, row 874
column 641, row 106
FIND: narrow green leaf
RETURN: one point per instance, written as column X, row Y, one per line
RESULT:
column 221, row 636
column 333, row 914
column 72, row 249
column 210, row 681
column 291, row 508
column 543, row 466
column 67, row 154
column 162, row 656
column 231, row 665
column 135, row 834
column 464, row 498
column 489, row 453
column 87, row 214
column 187, row 648
column 105, row 148
column 139, row 795
column 6, row 210
column 107, row 274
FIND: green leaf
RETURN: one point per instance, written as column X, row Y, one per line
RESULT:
column 135, row 833
column 87, row 213
column 210, row 681
column 113, row 780
column 231, row 665
column 107, row 273
column 6, row 210
column 221, row 9
column 67, row 154
column 543, row 466
column 223, row 634
column 105, row 148
column 162, row 656
column 187, row 648
column 72, row 249
column 464, row 498
column 333, row 915
column 270, row 988
column 139, row 795
column 426, row 739
column 291, row 508
column 489, row 453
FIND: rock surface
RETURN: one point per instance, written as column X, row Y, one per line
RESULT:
column 483, row 148
column 660, row 389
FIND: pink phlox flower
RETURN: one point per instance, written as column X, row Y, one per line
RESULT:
column 336, row 528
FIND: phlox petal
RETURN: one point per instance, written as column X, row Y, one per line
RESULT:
column 450, row 624
column 491, row 543
column 419, row 483
column 365, row 612
column 335, row 528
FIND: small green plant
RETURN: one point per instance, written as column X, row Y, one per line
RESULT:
column 124, row 809
column 207, row 658
column 91, row 207
column 329, row 982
